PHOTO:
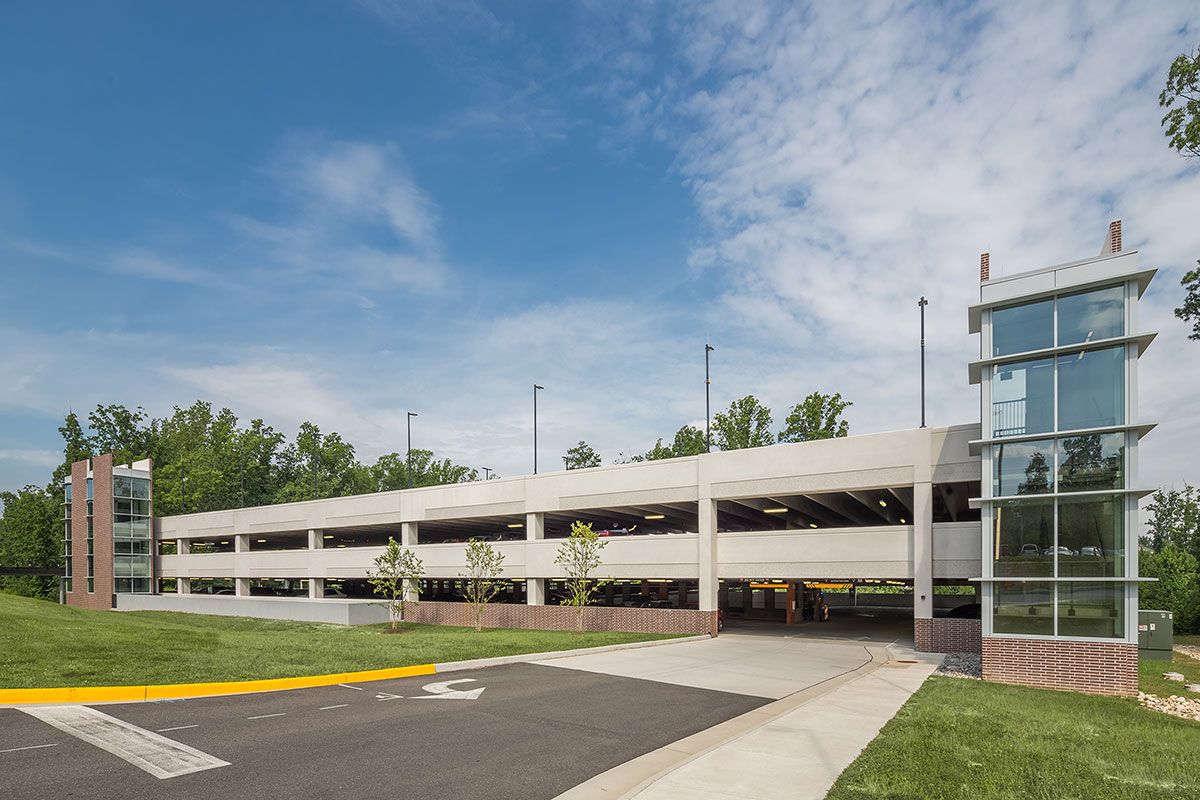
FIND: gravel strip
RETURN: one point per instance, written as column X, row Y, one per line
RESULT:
column 1184, row 707
column 1188, row 650
column 961, row 665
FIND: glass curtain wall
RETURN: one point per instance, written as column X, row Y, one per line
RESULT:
column 1061, row 516
column 131, row 534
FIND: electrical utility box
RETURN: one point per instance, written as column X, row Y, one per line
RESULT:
column 1154, row 635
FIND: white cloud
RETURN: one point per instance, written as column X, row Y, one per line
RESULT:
column 40, row 458
column 847, row 160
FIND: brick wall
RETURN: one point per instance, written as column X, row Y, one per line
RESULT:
column 562, row 618
column 1093, row 667
column 102, row 530
column 945, row 635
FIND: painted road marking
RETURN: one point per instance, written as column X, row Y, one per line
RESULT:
column 177, row 728
column 326, row 708
column 442, row 691
column 386, row 696
column 348, row 686
column 158, row 755
column 30, row 747
column 265, row 716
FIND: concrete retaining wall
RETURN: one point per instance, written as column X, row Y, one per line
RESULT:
column 336, row 611
column 562, row 618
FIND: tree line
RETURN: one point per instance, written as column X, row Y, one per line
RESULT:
column 1171, row 553
column 746, row 423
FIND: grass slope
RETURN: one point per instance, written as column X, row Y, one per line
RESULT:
column 958, row 738
column 43, row 644
column 1151, row 680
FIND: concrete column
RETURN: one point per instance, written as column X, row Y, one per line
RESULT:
column 412, row 591
column 241, row 587
column 316, row 586
column 923, row 550
column 316, row 539
column 183, row 547
column 535, row 525
column 708, row 554
column 535, row 591
column 408, row 534
column 241, row 543
column 183, row 585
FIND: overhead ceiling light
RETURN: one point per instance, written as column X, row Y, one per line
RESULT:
column 516, row 525
column 883, row 503
column 260, row 541
column 224, row 542
column 341, row 545
column 775, row 510
column 326, row 537
column 655, row 516
column 902, row 522
column 812, row 524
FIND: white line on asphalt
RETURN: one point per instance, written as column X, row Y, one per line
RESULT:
column 348, row 686
column 264, row 716
column 326, row 708
column 30, row 747
column 177, row 728
column 158, row 755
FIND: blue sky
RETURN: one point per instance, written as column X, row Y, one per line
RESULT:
column 342, row 211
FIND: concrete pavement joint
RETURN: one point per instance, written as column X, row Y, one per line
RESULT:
column 629, row 779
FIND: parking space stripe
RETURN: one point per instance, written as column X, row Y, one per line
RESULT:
column 177, row 728
column 326, row 708
column 158, row 755
column 30, row 747
column 265, row 716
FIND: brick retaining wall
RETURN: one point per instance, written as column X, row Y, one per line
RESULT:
column 562, row 618
column 1094, row 667
column 946, row 635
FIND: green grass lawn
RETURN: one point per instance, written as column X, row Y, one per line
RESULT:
column 1151, row 681
column 43, row 644
column 958, row 738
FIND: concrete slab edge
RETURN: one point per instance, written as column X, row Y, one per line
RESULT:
column 176, row 691
column 480, row 663
column 627, row 780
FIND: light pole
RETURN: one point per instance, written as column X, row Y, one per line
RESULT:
column 242, row 472
column 922, row 303
column 535, row 391
column 316, row 437
column 487, row 473
column 565, row 465
column 708, row 348
column 411, row 414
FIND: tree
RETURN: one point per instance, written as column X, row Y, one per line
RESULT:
column 1190, row 310
column 31, row 535
column 578, row 555
column 747, row 423
column 581, row 456
column 659, row 452
column 481, row 581
column 817, row 417
column 396, row 571
column 1037, row 476
column 1174, row 519
column 1177, row 589
column 76, row 447
column 1182, row 121
column 689, row 441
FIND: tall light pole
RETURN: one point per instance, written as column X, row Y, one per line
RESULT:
column 487, row 473
column 315, row 440
column 411, row 414
column 535, row 391
column 922, row 303
column 242, row 471
column 708, row 348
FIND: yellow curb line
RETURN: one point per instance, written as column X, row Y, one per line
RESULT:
column 130, row 694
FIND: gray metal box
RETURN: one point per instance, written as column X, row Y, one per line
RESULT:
column 1154, row 635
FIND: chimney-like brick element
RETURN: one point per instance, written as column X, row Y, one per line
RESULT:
column 1114, row 236
column 985, row 267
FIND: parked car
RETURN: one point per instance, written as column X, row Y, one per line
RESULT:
column 1089, row 550
column 1029, row 549
column 1062, row 551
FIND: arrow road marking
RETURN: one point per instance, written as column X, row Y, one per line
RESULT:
column 386, row 696
column 442, row 691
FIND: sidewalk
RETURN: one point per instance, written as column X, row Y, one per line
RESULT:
column 792, row 748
